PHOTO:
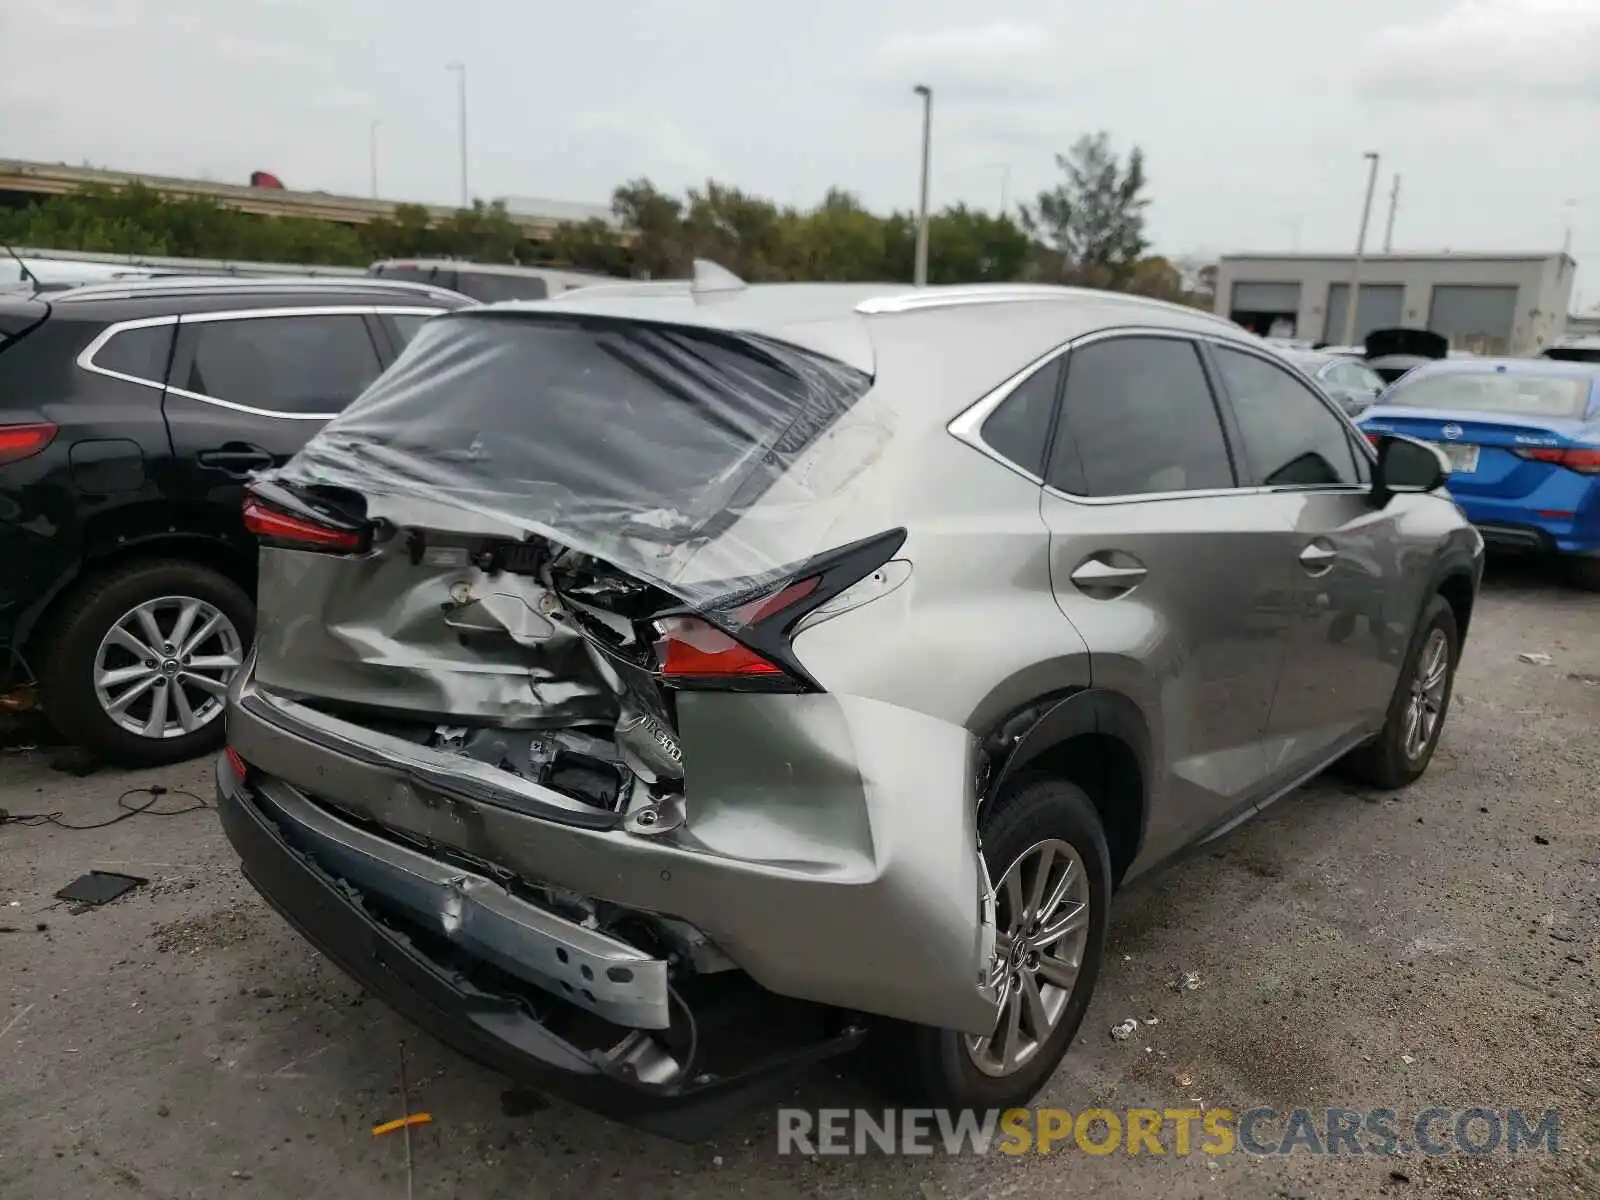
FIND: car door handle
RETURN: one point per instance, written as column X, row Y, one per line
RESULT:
column 1317, row 558
column 235, row 459
column 1098, row 575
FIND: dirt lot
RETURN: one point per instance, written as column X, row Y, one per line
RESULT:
column 1437, row 948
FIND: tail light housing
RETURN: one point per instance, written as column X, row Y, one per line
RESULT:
column 1585, row 460
column 742, row 643
column 18, row 442
column 280, row 518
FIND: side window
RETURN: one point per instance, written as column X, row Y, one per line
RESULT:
column 490, row 286
column 1290, row 436
column 1348, row 374
column 1138, row 417
column 1020, row 428
column 141, row 353
column 302, row 365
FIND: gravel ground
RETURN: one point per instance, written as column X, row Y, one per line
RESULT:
column 1353, row 950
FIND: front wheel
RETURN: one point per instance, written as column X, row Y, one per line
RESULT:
column 1046, row 853
column 140, row 658
column 1400, row 753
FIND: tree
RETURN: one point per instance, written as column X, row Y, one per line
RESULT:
column 656, row 220
column 1091, row 224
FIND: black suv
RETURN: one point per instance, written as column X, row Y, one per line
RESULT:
column 131, row 415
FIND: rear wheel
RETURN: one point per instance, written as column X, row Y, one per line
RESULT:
column 1400, row 753
column 1046, row 852
column 1584, row 571
column 139, row 661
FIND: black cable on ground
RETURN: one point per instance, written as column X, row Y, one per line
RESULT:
column 155, row 791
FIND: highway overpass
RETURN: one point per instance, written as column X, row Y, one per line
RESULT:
column 23, row 182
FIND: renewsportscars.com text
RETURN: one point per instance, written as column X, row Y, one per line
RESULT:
column 1172, row 1131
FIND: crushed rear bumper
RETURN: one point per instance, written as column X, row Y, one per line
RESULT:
column 290, row 851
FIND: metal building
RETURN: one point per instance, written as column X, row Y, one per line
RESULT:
column 1513, row 304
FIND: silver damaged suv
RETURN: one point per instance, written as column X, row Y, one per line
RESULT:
column 662, row 688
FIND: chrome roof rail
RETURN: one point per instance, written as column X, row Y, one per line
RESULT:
column 916, row 300
column 133, row 289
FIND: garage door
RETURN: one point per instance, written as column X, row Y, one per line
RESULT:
column 1378, row 306
column 1266, row 297
column 1479, row 319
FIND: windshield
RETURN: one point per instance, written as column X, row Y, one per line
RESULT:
column 1520, row 394
column 595, row 431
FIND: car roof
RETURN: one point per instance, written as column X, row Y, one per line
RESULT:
column 202, row 288
column 1008, row 323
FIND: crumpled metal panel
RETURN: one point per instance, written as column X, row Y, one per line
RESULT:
column 379, row 631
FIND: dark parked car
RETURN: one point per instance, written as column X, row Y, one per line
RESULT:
column 131, row 415
column 1393, row 352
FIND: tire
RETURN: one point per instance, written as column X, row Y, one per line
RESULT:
column 1386, row 762
column 1584, row 572
column 82, row 648
column 937, row 1067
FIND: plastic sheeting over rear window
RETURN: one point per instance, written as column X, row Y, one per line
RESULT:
column 637, row 442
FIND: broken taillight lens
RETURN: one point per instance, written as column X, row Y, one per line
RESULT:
column 694, row 653
column 284, row 529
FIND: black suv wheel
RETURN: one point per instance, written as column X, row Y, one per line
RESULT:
column 139, row 660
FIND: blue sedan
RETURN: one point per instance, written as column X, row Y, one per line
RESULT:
column 1523, row 440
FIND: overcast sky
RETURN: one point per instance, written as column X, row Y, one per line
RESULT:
column 1253, row 114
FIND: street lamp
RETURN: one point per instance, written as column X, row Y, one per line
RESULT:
column 372, row 149
column 920, row 276
column 1361, row 248
column 461, row 95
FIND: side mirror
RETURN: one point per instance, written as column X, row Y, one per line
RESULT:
column 1406, row 466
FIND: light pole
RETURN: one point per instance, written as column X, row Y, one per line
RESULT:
column 1361, row 248
column 461, row 98
column 920, row 276
column 372, row 150
column 1394, row 203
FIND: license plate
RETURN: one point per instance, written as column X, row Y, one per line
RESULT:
column 1463, row 460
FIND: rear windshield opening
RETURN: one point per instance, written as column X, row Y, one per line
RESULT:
column 646, row 430
column 1519, row 394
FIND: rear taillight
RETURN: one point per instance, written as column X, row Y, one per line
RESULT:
column 1374, row 438
column 280, row 528
column 1582, row 459
column 742, row 643
column 18, row 442
column 694, row 653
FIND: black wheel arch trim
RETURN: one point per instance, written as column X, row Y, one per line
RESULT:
column 1028, row 733
column 96, row 557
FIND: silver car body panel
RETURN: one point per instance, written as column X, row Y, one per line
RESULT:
column 827, row 843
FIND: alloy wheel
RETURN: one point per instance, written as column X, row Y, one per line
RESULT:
column 1426, row 700
column 1042, row 919
column 163, row 668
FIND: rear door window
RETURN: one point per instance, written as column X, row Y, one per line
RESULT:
column 1138, row 418
column 1291, row 437
column 295, row 365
